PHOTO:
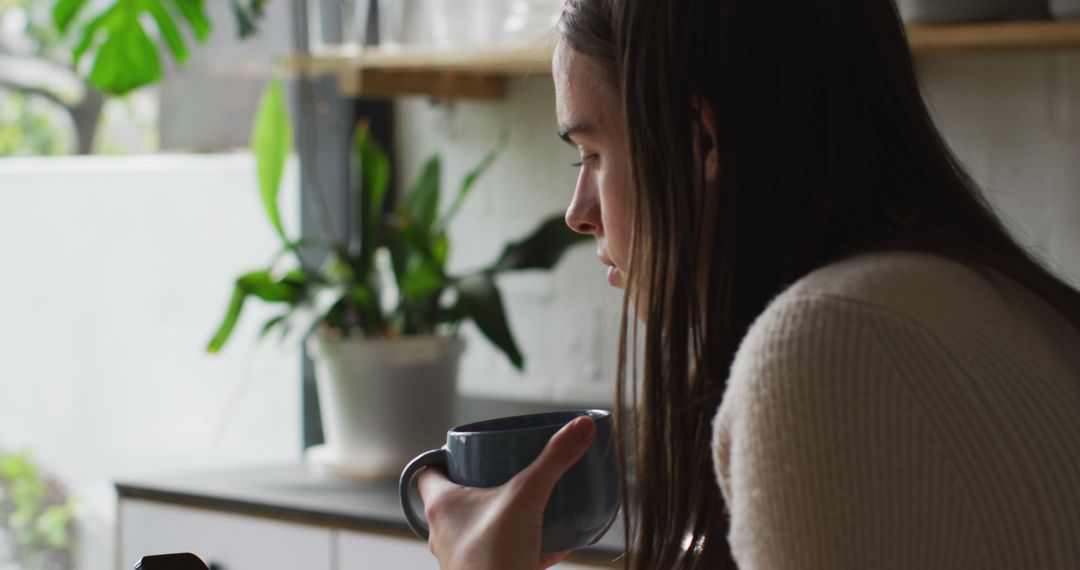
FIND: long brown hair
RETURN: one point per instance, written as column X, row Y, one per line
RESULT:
column 826, row 150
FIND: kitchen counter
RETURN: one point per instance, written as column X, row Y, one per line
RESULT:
column 295, row 493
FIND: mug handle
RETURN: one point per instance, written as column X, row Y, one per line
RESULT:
column 435, row 457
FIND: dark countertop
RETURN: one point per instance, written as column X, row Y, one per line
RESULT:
column 294, row 492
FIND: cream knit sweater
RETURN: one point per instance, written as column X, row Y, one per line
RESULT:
column 903, row 411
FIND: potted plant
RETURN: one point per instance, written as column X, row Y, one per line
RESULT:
column 381, row 312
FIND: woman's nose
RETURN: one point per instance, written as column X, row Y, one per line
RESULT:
column 583, row 215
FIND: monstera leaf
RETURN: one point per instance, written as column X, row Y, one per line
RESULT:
column 120, row 34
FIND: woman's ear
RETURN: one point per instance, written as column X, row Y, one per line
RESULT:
column 705, row 141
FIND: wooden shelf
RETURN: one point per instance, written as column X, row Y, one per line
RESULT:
column 481, row 73
column 994, row 37
column 484, row 73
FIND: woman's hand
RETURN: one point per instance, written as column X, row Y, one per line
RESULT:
column 498, row 528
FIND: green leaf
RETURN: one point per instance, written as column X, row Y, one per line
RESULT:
column 440, row 249
column 64, row 12
column 15, row 466
column 480, row 299
column 269, row 325
column 259, row 284
column 247, row 17
column 92, row 29
column 294, row 248
column 232, row 314
column 540, row 249
column 370, row 172
column 433, row 253
column 52, row 525
column 305, row 317
column 195, row 14
column 297, row 277
column 361, row 295
column 245, row 26
column 418, row 265
column 452, row 315
column 422, row 203
column 422, row 278
column 169, row 31
column 127, row 58
column 467, row 184
column 394, row 240
column 271, row 141
column 262, row 285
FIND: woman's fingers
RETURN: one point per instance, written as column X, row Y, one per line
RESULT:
column 500, row 527
column 564, row 449
column 431, row 481
column 433, row 484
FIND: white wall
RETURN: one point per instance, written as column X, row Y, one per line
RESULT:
column 562, row 320
column 114, row 272
column 1014, row 119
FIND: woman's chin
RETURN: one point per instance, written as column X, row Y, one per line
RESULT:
column 614, row 277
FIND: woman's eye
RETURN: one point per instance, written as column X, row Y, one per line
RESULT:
column 587, row 159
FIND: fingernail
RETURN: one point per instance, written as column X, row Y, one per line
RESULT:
column 583, row 428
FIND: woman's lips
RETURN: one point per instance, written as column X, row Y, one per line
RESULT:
column 613, row 270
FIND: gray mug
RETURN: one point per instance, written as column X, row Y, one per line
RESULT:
column 584, row 502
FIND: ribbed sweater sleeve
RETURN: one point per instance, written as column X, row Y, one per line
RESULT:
column 825, row 455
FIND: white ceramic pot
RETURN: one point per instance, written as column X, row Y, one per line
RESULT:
column 382, row 401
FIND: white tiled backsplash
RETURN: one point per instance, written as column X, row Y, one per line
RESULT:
column 1014, row 120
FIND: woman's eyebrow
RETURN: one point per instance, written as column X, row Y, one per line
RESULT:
column 566, row 132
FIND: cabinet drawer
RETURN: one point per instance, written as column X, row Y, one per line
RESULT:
column 231, row 542
column 363, row 551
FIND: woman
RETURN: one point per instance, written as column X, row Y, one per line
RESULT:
column 900, row 381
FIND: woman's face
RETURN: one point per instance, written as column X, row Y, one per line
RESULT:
column 591, row 120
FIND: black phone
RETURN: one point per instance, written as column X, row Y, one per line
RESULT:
column 180, row 561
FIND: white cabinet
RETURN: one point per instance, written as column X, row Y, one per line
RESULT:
column 240, row 542
column 361, row 551
column 229, row 541
column 367, row 551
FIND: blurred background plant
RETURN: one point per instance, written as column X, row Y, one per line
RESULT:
column 45, row 107
column 61, row 59
column 36, row 517
column 119, row 35
column 118, row 38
